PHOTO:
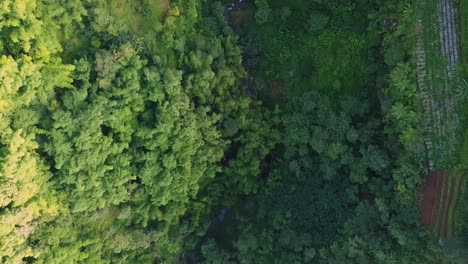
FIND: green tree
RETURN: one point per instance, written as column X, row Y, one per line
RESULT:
column 317, row 21
column 262, row 15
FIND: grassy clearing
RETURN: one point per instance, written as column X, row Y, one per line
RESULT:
column 333, row 61
column 145, row 18
column 341, row 59
column 452, row 213
column 141, row 16
column 319, row 65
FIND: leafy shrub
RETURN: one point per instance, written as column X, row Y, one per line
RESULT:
column 317, row 21
column 263, row 12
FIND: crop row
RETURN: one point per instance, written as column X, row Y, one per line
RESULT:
column 437, row 56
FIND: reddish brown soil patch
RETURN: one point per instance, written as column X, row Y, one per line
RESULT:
column 240, row 18
column 430, row 200
column 438, row 197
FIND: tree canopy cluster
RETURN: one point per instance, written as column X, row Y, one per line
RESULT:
column 122, row 153
column 119, row 146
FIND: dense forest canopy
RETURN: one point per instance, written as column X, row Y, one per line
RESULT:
column 199, row 131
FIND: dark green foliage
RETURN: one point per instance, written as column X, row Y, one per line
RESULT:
column 317, row 21
column 263, row 11
column 330, row 201
column 323, row 163
column 395, row 53
column 347, row 187
column 213, row 254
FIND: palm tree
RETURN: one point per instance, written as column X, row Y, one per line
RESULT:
column 461, row 90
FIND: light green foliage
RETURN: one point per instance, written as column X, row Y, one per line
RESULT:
column 106, row 68
column 22, row 183
column 28, row 74
column 130, row 155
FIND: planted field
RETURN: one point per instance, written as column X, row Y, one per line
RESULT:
column 437, row 57
column 440, row 197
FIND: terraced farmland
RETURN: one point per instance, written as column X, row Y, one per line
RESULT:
column 438, row 54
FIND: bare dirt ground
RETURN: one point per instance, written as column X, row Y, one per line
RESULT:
column 439, row 195
column 431, row 193
column 164, row 6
